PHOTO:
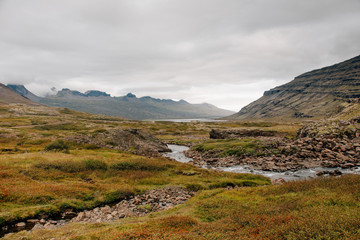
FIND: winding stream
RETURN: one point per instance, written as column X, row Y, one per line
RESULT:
column 178, row 155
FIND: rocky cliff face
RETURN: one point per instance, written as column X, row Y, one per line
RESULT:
column 317, row 93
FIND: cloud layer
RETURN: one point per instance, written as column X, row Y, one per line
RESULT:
column 222, row 52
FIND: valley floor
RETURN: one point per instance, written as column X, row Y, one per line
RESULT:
column 59, row 161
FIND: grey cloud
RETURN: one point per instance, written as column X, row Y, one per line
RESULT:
column 181, row 49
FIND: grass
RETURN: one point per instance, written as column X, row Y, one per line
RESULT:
column 32, row 183
column 322, row 208
column 35, row 182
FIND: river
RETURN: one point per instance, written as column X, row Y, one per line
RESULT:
column 178, row 155
column 185, row 120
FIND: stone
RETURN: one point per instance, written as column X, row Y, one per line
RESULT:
column 278, row 181
column 20, row 224
column 80, row 216
column 348, row 165
column 105, row 209
column 49, row 226
column 32, row 220
column 38, row 226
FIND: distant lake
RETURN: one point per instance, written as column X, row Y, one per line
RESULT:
column 185, row 120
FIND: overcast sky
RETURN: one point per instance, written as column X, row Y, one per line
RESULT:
column 224, row 52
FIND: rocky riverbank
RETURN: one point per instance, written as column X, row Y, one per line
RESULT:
column 151, row 201
column 140, row 205
column 330, row 144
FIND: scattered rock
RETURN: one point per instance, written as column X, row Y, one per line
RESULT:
column 151, row 201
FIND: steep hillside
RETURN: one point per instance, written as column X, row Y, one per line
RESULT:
column 128, row 106
column 318, row 93
column 7, row 96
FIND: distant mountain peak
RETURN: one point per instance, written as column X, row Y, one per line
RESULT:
column 183, row 101
column 96, row 93
column 130, row 95
column 10, row 95
column 21, row 89
column 66, row 92
column 18, row 88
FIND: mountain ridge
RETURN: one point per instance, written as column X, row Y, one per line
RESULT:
column 317, row 93
column 128, row 106
column 9, row 96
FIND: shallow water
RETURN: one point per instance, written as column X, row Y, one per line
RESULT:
column 178, row 155
column 288, row 175
column 186, row 120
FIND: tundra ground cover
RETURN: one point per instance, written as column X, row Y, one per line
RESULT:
column 40, row 173
column 322, row 208
column 34, row 181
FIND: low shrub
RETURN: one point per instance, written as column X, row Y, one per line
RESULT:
column 72, row 166
column 63, row 127
column 95, row 164
column 58, row 146
column 116, row 195
column 194, row 187
column 178, row 222
column 91, row 146
column 64, row 166
column 142, row 166
column 224, row 184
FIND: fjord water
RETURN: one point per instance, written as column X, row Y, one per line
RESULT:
column 177, row 153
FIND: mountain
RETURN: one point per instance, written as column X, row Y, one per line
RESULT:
column 7, row 96
column 315, row 94
column 128, row 106
column 20, row 89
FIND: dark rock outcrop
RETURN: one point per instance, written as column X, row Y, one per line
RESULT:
column 229, row 134
column 96, row 93
column 132, row 140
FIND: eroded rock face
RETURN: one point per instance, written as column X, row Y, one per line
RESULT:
column 132, row 140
